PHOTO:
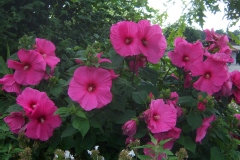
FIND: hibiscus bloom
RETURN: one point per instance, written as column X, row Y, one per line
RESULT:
column 160, row 117
column 30, row 98
column 43, row 121
column 15, row 121
column 202, row 130
column 124, row 39
column 47, row 50
column 31, row 68
column 212, row 75
column 9, row 84
column 185, row 53
column 152, row 42
column 90, row 87
column 235, row 77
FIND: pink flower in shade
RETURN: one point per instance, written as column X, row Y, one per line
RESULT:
column 129, row 140
column 43, row 121
column 174, row 134
column 30, row 98
column 161, row 117
column 100, row 60
column 173, row 99
column 152, row 42
column 90, row 87
column 139, row 62
column 238, row 118
column 124, row 38
column 179, row 111
column 226, row 89
column 130, row 128
column 151, row 153
column 185, row 53
column 202, row 130
column 235, row 77
column 31, row 68
column 212, row 75
column 15, row 121
column 9, row 84
column 201, row 106
column 236, row 94
column 47, row 50
column 187, row 79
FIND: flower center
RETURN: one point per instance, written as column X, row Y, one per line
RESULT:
column 128, row 40
column 44, row 55
column 41, row 119
column 207, row 75
column 156, row 117
column 144, row 42
column 91, row 87
column 26, row 67
column 185, row 58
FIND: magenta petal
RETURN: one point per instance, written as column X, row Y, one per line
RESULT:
column 15, row 65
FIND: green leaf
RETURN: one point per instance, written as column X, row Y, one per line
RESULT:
column 62, row 110
column 188, row 143
column 149, row 74
column 121, row 118
column 81, row 114
column 69, row 131
column 106, row 65
column 82, row 124
column 216, row 154
column 117, row 60
column 95, row 124
column 140, row 97
column 143, row 157
column 188, row 101
column 194, row 120
column 56, row 90
column 141, row 132
column 3, row 67
column 14, row 108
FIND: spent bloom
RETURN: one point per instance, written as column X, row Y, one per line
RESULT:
column 31, row 68
column 9, row 84
column 124, row 38
column 90, row 87
column 202, row 130
column 152, row 42
column 160, row 117
column 130, row 128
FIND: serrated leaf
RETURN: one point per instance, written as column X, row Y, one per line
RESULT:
column 82, row 124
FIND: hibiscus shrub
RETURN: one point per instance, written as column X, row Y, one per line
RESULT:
column 129, row 98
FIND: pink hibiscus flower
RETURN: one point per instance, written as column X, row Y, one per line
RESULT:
column 185, row 53
column 90, row 87
column 47, row 50
column 173, row 99
column 211, row 35
column 43, row 121
column 202, row 130
column 187, row 79
column 30, row 98
column 15, row 121
column 152, row 42
column 31, row 68
column 160, row 117
column 9, row 84
column 212, row 75
column 124, row 39
column 236, row 94
column 235, row 77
